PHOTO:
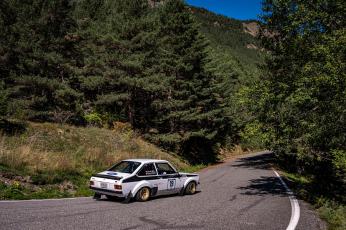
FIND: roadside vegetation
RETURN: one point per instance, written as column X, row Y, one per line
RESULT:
column 47, row 160
column 300, row 102
column 50, row 160
column 330, row 210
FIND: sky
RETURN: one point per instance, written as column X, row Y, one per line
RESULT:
column 239, row 9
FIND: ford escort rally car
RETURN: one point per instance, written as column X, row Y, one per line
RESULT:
column 142, row 179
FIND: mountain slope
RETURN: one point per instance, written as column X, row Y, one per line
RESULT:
column 234, row 40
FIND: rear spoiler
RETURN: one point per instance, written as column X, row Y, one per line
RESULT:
column 107, row 176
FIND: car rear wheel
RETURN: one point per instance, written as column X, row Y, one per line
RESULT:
column 143, row 194
column 191, row 188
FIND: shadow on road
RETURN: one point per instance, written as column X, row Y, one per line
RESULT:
column 262, row 161
column 263, row 185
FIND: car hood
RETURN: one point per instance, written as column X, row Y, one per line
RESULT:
column 188, row 174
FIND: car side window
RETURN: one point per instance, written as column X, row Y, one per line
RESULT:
column 164, row 168
column 147, row 170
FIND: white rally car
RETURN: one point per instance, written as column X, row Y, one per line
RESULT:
column 142, row 179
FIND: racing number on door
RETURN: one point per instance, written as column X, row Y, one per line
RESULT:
column 171, row 184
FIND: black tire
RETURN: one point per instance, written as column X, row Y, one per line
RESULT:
column 143, row 194
column 190, row 188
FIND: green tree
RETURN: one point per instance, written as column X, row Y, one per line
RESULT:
column 186, row 111
column 117, row 79
column 301, row 101
column 46, row 52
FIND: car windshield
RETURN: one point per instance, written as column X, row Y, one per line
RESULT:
column 125, row 167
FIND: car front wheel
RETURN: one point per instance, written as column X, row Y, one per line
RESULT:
column 143, row 194
column 191, row 188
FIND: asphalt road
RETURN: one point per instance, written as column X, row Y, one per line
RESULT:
column 240, row 194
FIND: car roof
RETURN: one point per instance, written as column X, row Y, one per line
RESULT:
column 146, row 160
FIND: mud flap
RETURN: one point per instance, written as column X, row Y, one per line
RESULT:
column 128, row 198
column 182, row 191
column 97, row 196
column 153, row 191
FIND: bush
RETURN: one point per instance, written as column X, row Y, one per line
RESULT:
column 253, row 137
column 93, row 119
column 339, row 163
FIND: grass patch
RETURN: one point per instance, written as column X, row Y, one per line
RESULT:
column 194, row 168
column 52, row 161
column 329, row 209
column 334, row 213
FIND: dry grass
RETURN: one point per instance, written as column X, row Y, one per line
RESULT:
column 53, row 155
column 25, row 157
column 51, row 147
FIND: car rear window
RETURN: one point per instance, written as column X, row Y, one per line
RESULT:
column 125, row 167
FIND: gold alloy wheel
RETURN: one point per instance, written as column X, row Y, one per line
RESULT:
column 144, row 194
column 191, row 189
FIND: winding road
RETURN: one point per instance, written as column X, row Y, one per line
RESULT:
column 244, row 193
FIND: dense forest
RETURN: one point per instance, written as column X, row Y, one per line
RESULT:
column 98, row 62
column 301, row 101
column 183, row 77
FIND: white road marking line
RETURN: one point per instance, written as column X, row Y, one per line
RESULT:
column 295, row 213
column 16, row 201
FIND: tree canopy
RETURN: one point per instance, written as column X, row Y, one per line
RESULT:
column 301, row 100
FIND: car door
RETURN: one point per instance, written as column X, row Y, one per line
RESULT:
column 170, row 181
column 148, row 173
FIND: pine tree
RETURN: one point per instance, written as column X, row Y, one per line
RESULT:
column 46, row 57
column 186, row 111
column 118, row 80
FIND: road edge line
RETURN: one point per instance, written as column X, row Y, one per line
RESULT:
column 295, row 209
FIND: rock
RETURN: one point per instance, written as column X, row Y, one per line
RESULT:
column 251, row 28
column 66, row 186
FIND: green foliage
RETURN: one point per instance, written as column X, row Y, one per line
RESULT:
column 41, row 55
column 93, row 119
column 300, row 102
column 333, row 212
column 339, row 164
column 3, row 100
column 236, row 67
column 185, row 109
column 229, row 45
column 99, row 62
column 252, row 136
